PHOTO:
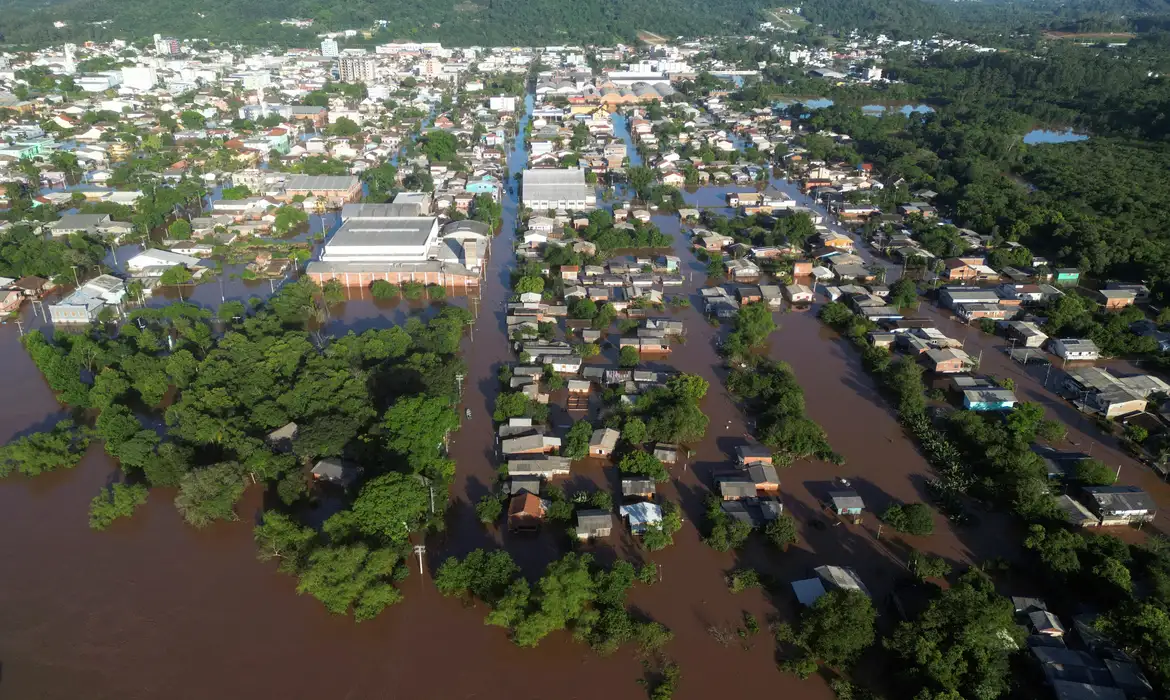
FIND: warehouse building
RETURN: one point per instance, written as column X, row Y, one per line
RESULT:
column 557, row 188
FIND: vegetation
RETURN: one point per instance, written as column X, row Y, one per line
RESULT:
column 381, row 289
column 118, row 501
column 723, row 533
column 753, row 325
column 772, row 394
column 911, row 518
column 645, row 464
column 59, row 448
column 661, row 535
column 573, row 594
column 834, row 630
column 963, row 640
column 382, row 400
column 781, row 532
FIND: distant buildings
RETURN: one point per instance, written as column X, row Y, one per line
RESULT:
column 357, row 69
column 329, row 48
column 165, row 46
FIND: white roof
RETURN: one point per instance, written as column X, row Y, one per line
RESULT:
column 641, row 513
column 153, row 256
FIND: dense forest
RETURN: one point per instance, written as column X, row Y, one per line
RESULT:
column 482, row 22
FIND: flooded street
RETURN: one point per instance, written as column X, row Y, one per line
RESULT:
column 154, row 608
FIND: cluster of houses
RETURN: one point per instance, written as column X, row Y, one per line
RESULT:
column 1078, row 662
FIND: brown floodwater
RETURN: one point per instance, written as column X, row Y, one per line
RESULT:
column 153, row 608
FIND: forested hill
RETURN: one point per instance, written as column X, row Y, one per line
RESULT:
column 454, row 22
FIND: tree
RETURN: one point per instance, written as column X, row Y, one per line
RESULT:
column 641, row 179
column 235, row 192
column 903, row 293
column 482, row 574
column 343, row 127
column 175, row 276
column 576, row 444
column 529, row 284
column 439, row 145
column 489, row 509
column 119, row 501
column 59, row 448
column 634, row 431
column 280, row 537
column 192, row 119
column 753, row 325
column 582, row 308
column 210, row 494
column 911, row 518
column 962, row 642
column 925, row 567
column 837, row 627
column 381, row 289
column 643, row 464
column 1057, row 548
column 180, row 229
column 781, row 532
column 1093, row 472
column 333, row 292
column 167, row 467
column 724, row 533
column 392, row 506
column 1143, row 629
column 415, row 427
column 345, row 576
column 289, row 217
column 661, row 535
column 628, row 357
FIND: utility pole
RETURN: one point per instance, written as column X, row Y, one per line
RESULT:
column 1046, row 373
column 459, row 379
column 420, row 550
column 75, row 280
column 20, row 327
column 1118, row 475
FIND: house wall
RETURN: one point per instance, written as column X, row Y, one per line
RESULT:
column 364, row 279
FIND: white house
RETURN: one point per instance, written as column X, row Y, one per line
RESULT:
column 1073, row 349
column 153, row 257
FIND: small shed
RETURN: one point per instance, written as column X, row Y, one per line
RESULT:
column 666, row 452
column 603, row 442
column 281, row 439
column 639, row 488
column 594, row 523
column 846, row 502
column 336, row 471
column 520, row 484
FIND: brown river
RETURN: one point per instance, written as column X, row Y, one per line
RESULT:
column 152, row 608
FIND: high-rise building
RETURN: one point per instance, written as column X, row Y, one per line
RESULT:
column 70, row 59
column 358, row 69
column 329, row 48
column 165, row 46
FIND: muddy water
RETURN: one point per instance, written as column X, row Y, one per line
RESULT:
column 153, row 608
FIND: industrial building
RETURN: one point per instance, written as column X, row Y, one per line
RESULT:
column 557, row 188
column 394, row 242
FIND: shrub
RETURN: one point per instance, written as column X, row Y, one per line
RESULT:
column 413, row 290
column 912, row 518
column 381, row 289
column 740, row 580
